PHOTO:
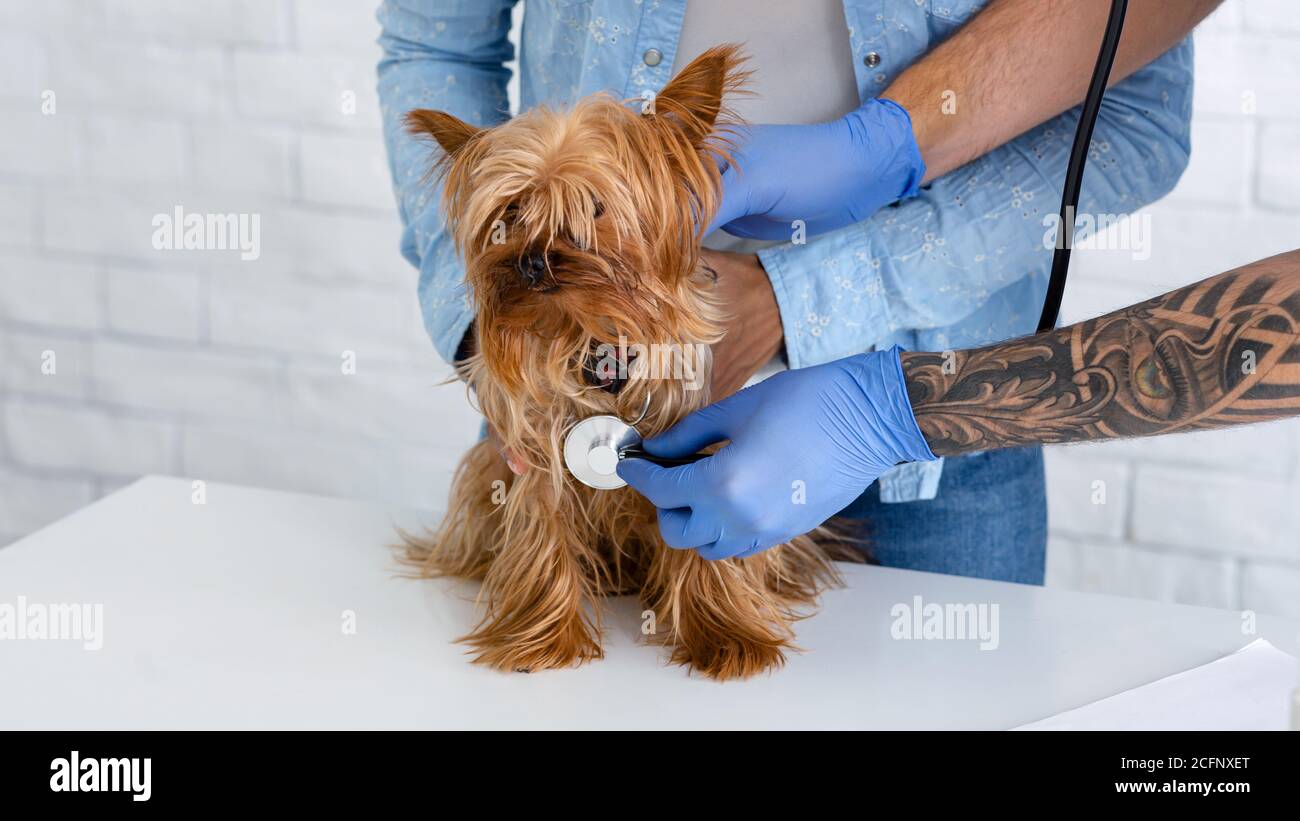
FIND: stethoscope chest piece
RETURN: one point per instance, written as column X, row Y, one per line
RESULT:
column 593, row 447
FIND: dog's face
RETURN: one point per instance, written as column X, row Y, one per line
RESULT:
column 581, row 228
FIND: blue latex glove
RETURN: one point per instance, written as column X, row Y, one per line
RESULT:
column 829, row 175
column 834, row 428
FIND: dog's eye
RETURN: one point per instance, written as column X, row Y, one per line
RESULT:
column 598, row 209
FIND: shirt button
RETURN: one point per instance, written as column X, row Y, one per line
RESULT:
column 872, row 59
column 652, row 57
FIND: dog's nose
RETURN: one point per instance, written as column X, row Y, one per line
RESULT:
column 532, row 267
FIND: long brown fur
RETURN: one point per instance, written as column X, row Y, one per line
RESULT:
column 614, row 195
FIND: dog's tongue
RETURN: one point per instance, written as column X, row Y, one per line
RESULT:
column 607, row 372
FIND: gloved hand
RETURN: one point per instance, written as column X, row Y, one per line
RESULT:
column 829, row 175
column 804, row 444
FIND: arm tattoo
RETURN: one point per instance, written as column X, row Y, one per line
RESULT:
column 1225, row 351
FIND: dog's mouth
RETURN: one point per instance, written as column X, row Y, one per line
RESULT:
column 607, row 368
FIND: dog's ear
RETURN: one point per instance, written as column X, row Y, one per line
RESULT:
column 451, row 132
column 696, row 96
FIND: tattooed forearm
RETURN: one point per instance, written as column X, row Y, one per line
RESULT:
column 1225, row 351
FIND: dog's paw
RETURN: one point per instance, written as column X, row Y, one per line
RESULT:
column 557, row 651
column 728, row 658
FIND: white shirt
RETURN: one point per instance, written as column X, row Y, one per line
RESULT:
column 799, row 53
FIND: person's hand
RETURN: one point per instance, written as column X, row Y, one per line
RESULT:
column 804, row 444
column 829, row 175
column 754, row 333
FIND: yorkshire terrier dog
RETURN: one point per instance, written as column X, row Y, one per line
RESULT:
column 580, row 230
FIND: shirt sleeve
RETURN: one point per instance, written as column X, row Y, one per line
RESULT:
column 448, row 55
column 932, row 261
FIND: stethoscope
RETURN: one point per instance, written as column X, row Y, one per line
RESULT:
column 594, row 446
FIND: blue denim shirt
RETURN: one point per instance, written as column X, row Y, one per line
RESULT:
column 961, row 265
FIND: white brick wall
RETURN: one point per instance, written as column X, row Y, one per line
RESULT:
column 195, row 363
